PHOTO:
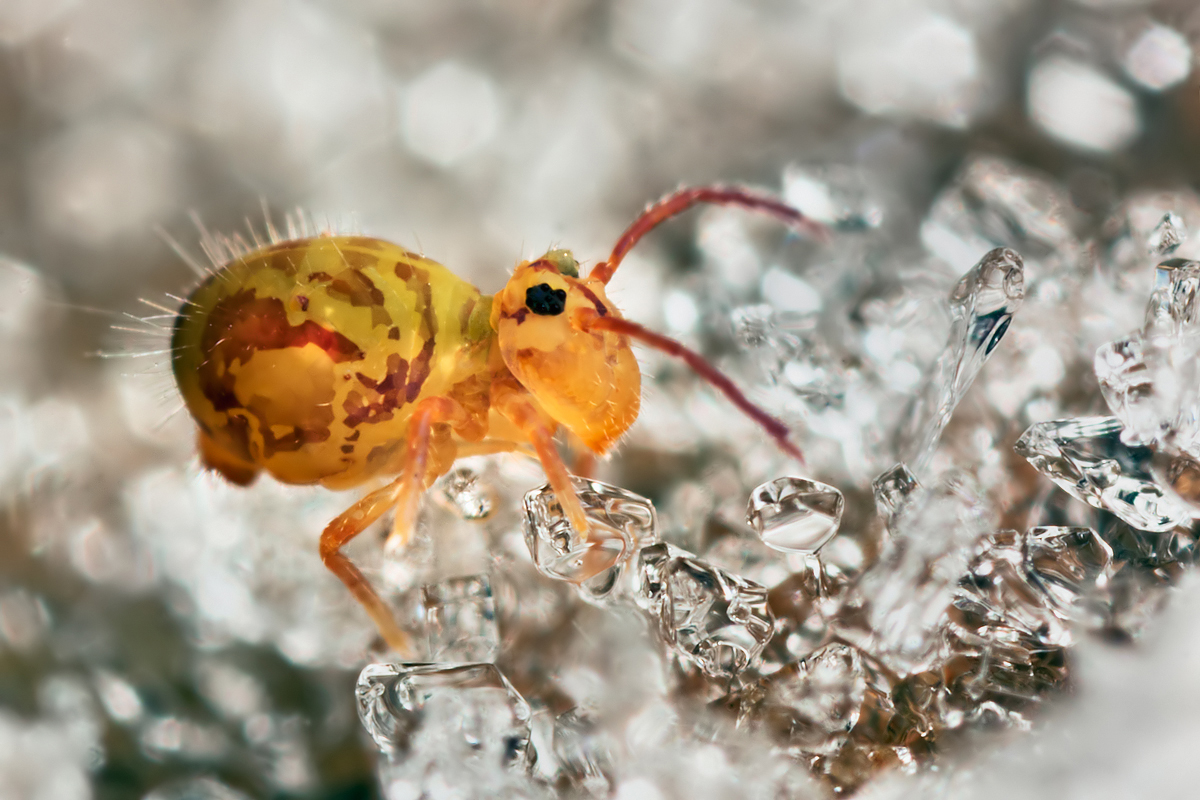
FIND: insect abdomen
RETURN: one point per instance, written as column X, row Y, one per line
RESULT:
column 305, row 358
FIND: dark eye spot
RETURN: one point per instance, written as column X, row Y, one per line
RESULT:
column 544, row 301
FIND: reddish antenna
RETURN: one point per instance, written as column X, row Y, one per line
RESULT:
column 682, row 199
column 656, row 214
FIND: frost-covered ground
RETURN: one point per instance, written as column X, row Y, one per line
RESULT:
column 163, row 634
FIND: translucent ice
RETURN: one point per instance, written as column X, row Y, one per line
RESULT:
column 1167, row 235
column 1140, row 381
column 1087, row 458
column 460, row 617
column 1133, row 234
column 1173, row 309
column 1005, row 648
column 795, row 515
column 836, row 196
column 584, row 753
column 621, row 522
column 713, row 618
column 982, row 305
column 459, row 728
column 1150, row 378
column 892, row 488
column 466, row 492
column 902, row 598
column 998, row 580
column 792, row 357
column 997, row 203
column 813, row 705
column 1073, row 567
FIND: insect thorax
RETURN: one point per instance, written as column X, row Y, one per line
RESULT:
column 306, row 358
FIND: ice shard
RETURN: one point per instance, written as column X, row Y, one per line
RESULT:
column 982, row 305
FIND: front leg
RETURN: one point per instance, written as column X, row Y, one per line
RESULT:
column 404, row 495
column 514, row 402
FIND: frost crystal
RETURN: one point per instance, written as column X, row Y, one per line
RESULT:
column 1087, row 458
column 795, row 515
column 892, row 488
column 904, row 595
column 1073, row 567
column 713, row 618
column 1167, row 235
column 620, row 523
column 584, row 753
column 814, row 704
column 1150, row 379
column 460, row 616
column 463, row 723
column 464, row 491
column 982, row 305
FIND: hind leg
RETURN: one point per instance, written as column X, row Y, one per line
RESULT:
column 404, row 495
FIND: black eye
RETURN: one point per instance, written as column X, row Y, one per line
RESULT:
column 544, row 301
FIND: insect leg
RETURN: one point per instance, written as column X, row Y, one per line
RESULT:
column 513, row 401
column 587, row 319
column 402, row 494
column 683, row 199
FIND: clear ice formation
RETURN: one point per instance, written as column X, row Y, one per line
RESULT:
column 1009, row 649
column 892, row 487
column 1087, row 458
column 902, row 598
column 791, row 355
column 584, row 753
column 1073, row 567
column 795, row 515
column 464, row 491
column 982, row 305
column 717, row 620
column 434, row 723
column 1150, row 378
column 1168, row 235
column 997, row 203
column 621, row 522
column 460, row 619
column 817, row 702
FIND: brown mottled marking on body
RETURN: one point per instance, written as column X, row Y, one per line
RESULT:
column 474, row 395
column 242, row 324
column 394, row 334
column 403, row 271
column 393, row 391
column 289, row 442
column 358, row 260
column 236, row 437
column 353, row 437
column 347, row 449
column 425, row 291
column 353, row 287
column 282, row 259
column 420, row 370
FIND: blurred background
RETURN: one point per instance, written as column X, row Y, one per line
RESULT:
column 164, row 635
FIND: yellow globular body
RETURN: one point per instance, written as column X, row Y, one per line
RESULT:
column 306, row 358
column 589, row 381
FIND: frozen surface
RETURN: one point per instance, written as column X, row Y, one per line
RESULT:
column 918, row 609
